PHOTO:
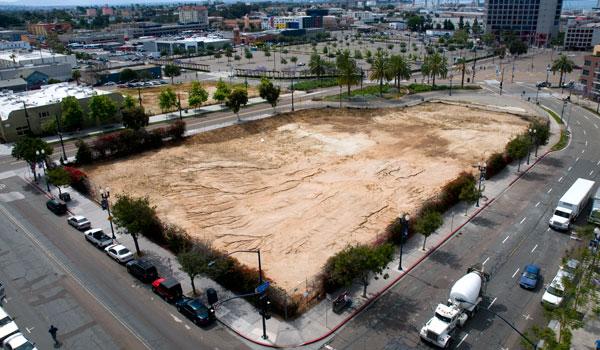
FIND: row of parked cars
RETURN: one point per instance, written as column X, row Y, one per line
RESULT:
column 11, row 337
column 554, row 293
column 167, row 288
column 135, row 84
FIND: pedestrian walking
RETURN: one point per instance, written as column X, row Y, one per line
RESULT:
column 52, row 332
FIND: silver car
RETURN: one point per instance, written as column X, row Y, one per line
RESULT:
column 79, row 222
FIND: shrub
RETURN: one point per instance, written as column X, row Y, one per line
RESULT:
column 494, row 165
column 176, row 130
column 177, row 240
column 79, row 180
column 84, row 153
column 451, row 192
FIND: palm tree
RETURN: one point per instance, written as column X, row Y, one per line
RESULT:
column 76, row 75
column 316, row 65
column 562, row 64
column 435, row 65
column 13, row 57
column 380, row 69
column 399, row 69
column 347, row 70
column 462, row 66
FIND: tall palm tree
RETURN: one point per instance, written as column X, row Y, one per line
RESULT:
column 461, row 63
column 435, row 65
column 316, row 65
column 399, row 69
column 562, row 64
column 348, row 73
column 380, row 69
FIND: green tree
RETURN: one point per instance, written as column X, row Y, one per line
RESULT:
column 198, row 95
column 128, row 102
column 476, row 28
column 380, row 69
column 399, row 68
column 488, row 39
column 562, row 64
column 517, row 47
column 435, row 65
column 138, row 217
column 359, row 262
column 517, row 148
column 222, row 91
column 193, row 263
column 76, row 75
column 269, row 92
column 135, row 117
column 469, row 194
column 58, row 177
column 461, row 63
column 316, row 65
column 71, row 113
column 358, row 54
column 167, row 100
column 460, row 37
column 25, row 149
column 294, row 59
column 84, row 153
column 102, row 109
column 428, row 223
column 236, row 99
column 172, row 71
column 347, row 70
column 128, row 75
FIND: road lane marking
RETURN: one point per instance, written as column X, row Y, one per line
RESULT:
column 522, row 220
column 560, row 179
column 586, row 117
column 591, row 172
column 29, row 329
column 584, row 134
column 578, row 122
column 585, row 143
column 514, row 274
column 598, row 163
column 550, row 190
column 582, row 151
column 492, row 303
column 505, row 239
column 576, row 159
column 187, row 327
column 595, row 126
column 536, row 204
column 534, row 248
column 570, row 168
column 548, row 229
column 462, row 340
column 486, row 260
column 175, row 318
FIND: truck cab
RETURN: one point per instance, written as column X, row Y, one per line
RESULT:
column 437, row 330
column 561, row 219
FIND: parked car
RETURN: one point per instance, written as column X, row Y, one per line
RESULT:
column 570, row 268
column 142, row 270
column 530, row 277
column 542, row 84
column 2, row 293
column 110, row 83
column 119, row 252
column 98, row 238
column 18, row 342
column 56, row 206
column 8, row 327
column 195, row 310
column 168, row 289
column 555, row 292
column 79, row 222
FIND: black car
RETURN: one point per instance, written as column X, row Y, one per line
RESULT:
column 196, row 311
column 142, row 270
column 56, row 206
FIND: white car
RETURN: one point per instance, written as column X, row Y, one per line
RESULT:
column 7, row 325
column 18, row 342
column 555, row 292
column 79, row 222
column 119, row 252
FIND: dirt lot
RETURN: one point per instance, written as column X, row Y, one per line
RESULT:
column 150, row 94
column 303, row 186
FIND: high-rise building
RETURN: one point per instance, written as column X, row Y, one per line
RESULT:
column 193, row 14
column 535, row 21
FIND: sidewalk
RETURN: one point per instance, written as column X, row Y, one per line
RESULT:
column 320, row 321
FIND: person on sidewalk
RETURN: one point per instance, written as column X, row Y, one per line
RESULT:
column 52, row 332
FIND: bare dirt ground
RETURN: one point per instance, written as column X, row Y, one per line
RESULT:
column 303, row 186
column 150, row 94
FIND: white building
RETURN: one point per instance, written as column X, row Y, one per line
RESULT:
column 190, row 44
column 193, row 14
column 11, row 59
column 367, row 16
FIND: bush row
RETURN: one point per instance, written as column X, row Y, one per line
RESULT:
column 127, row 142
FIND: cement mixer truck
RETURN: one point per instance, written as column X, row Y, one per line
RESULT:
column 465, row 296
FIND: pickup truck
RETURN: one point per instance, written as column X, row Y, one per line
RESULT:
column 98, row 238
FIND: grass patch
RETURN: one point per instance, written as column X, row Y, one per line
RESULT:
column 553, row 114
column 314, row 84
column 417, row 88
column 371, row 91
column 562, row 143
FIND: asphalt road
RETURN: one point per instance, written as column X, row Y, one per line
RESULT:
column 510, row 233
column 125, row 312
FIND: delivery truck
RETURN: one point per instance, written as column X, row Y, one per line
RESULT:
column 465, row 296
column 571, row 204
column 594, row 217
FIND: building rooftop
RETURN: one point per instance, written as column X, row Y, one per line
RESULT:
column 27, row 55
column 48, row 94
column 192, row 39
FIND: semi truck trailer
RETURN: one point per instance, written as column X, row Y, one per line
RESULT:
column 571, row 204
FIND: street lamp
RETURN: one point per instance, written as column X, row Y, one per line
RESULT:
column 532, row 134
column 503, row 319
column 547, row 73
column 41, row 154
column 482, row 167
column 563, row 110
column 260, row 282
column 403, row 234
column 105, row 194
column 450, row 91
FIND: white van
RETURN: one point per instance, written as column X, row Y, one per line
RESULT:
column 8, row 327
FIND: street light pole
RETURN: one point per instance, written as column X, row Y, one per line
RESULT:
column 62, row 144
column 42, row 154
column 531, row 134
column 481, row 166
column 547, row 73
column 105, row 194
column 403, row 234
column 450, row 92
column 293, row 90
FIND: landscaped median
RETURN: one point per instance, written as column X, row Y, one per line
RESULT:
column 564, row 133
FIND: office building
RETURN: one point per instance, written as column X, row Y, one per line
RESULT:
column 29, row 111
column 534, row 21
column 181, row 45
column 581, row 35
column 193, row 14
column 589, row 77
column 44, row 29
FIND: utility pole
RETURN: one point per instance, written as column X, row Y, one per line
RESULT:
column 59, row 129
column 293, row 92
column 502, row 81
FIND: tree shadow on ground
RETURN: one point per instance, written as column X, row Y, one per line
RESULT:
column 446, row 258
column 484, row 222
column 536, row 176
column 553, row 162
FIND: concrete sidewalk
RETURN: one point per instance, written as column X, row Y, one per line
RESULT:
column 320, row 321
